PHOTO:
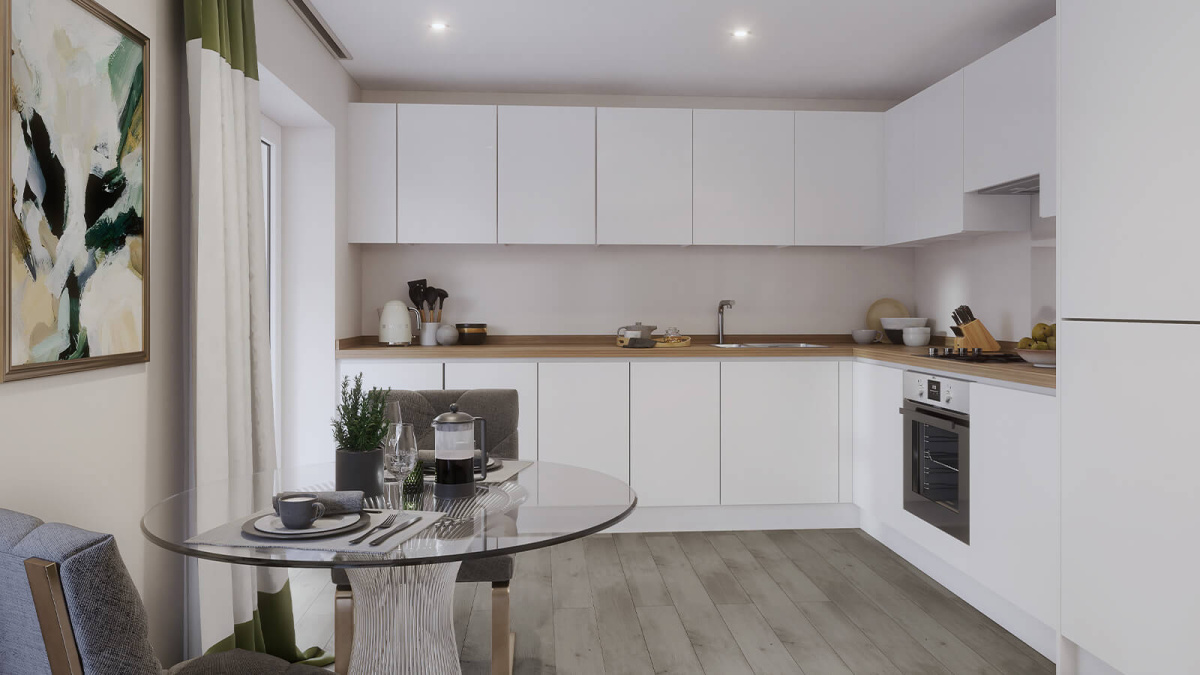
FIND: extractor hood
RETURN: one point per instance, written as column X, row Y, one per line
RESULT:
column 1030, row 185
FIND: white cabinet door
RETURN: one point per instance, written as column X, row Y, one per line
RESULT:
column 1009, row 110
column 547, row 175
column 643, row 176
column 743, row 177
column 1015, row 497
column 393, row 373
column 938, row 165
column 779, row 432
column 900, row 184
column 583, row 415
column 372, row 177
column 446, row 168
column 1130, row 160
column 839, row 178
column 674, row 431
column 521, row 376
column 878, row 441
column 1130, row 506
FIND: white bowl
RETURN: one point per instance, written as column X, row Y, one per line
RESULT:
column 898, row 323
column 1040, row 358
column 865, row 336
column 916, row 336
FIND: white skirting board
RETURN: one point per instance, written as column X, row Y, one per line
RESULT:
column 1029, row 630
column 717, row 518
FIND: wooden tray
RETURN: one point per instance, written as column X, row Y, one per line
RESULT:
column 685, row 342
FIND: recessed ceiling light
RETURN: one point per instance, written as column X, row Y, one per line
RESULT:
column 438, row 26
column 741, row 33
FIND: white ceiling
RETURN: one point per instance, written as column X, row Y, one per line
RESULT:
column 845, row 49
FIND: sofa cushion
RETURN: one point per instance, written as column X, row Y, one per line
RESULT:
column 241, row 662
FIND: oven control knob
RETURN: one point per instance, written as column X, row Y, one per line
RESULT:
column 948, row 397
column 921, row 394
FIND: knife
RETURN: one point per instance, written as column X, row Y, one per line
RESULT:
column 969, row 314
column 394, row 531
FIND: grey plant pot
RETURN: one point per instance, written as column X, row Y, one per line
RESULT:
column 360, row 471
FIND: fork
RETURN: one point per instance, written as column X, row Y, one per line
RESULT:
column 387, row 522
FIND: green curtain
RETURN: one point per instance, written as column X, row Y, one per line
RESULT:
column 232, row 406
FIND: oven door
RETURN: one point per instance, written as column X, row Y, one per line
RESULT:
column 937, row 468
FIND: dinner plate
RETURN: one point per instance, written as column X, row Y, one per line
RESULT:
column 271, row 527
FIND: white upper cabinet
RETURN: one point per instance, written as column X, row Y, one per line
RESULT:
column 643, row 176
column 938, row 158
column 900, row 217
column 743, row 179
column 547, row 175
column 1130, row 160
column 1009, row 111
column 839, row 169
column 446, row 174
column 372, row 188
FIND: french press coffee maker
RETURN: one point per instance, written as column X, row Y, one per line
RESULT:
column 454, row 453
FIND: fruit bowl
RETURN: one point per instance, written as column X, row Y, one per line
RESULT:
column 1040, row 358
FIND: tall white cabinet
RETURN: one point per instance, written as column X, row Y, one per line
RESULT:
column 446, row 174
column 583, row 415
column 643, row 176
column 839, row 178
column 779, row 432
column 743, row 177
column 547, row 175
column 675, row 432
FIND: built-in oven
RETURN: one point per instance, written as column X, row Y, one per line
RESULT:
column 937, row 452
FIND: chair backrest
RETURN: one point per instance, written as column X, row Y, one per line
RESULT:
column 67, row 603
column 497, row 406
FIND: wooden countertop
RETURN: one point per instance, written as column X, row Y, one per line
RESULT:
column 602, row 347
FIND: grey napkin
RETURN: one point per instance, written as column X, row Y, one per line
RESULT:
column 341, row 501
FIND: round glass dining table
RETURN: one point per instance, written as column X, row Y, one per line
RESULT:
column 403, row 597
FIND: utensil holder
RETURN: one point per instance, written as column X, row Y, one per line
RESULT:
column 975, row 334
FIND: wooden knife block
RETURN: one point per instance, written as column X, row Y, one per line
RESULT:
column 975, row 334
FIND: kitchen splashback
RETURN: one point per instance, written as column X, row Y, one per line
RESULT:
column 584, row 290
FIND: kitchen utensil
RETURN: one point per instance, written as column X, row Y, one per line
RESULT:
column 396, row 530
column 454, row 453
column 431, row 298
column 442, row 295
column 637, row 330
column 387, row 522
column 885, row 308
column 447, row 335
column 1040, row 358
column 916, row 336
column 350, row 523
column 866, row 336
column 416, row 292
column 429, row 331
column 471, row 333
column 395, row 328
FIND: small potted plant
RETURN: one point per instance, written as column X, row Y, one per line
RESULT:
column 359, row 430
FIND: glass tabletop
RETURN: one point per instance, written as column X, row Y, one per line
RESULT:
column 542, row 505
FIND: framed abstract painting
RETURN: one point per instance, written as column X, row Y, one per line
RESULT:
column 76, row 257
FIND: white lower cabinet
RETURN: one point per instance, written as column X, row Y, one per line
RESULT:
column 675, row 432
column 1015, row 497
column 878, row 441
column 393, row 373
column 779, row 432
column 583, row 415
column 522, row 376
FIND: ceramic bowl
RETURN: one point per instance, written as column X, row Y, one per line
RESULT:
column 1040, row 358
column 916, row 336
column 902, row 323
column 865, row 336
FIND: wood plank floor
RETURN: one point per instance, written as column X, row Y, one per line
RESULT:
column 816, row 602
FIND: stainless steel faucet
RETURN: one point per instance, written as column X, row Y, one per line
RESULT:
column 725, row 304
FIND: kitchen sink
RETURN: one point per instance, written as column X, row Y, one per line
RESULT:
column 768, row 345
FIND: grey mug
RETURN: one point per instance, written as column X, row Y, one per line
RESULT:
column 299, row 512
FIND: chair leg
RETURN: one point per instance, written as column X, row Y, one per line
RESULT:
column 343, row 629
column 503, row 640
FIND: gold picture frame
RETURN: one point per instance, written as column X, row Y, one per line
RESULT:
column 26, row 370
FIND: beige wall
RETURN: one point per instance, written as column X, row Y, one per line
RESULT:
column 97, row 449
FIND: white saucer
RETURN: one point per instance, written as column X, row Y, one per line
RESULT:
column 273, row 524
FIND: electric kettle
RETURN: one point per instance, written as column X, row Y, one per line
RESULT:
column 394, row 325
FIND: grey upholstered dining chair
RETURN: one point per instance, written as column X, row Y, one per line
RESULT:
column 499, row 407
column 69, row 607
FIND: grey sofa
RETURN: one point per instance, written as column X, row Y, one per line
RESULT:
column 500, row 408
column 69, row 607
